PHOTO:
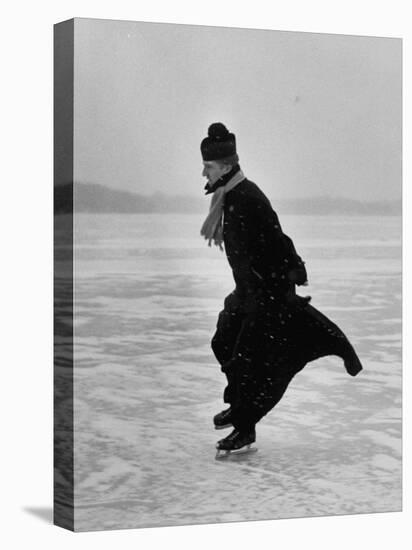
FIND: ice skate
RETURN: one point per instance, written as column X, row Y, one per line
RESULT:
column 223, row 420
column 236, row 443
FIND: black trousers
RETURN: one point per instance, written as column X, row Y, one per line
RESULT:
column 261, row 351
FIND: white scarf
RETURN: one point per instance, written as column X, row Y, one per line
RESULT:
column 212, row 228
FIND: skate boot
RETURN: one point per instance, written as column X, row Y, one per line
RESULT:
column 236, row 442
column 223, row 420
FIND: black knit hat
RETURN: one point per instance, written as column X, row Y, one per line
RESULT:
column 219, row 143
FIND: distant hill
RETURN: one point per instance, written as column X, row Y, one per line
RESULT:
column 93, row 197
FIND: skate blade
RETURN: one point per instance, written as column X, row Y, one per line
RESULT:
column 223, row 427
column 223, row 453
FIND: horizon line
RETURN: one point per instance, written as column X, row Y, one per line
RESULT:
column 198, row 196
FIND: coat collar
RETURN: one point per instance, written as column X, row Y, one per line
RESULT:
column 222, row 181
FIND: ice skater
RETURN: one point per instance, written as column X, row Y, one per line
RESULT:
column 266, row 333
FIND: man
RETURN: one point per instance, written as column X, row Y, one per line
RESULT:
column 266, row 333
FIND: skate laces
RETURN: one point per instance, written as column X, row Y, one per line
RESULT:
column 233, row 435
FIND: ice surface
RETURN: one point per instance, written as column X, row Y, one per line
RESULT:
column 147, row 295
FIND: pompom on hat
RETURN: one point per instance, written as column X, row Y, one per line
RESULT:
column 219, row 143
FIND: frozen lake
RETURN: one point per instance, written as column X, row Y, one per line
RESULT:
column 147, row 294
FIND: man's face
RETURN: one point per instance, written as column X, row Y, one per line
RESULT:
column 212, row 170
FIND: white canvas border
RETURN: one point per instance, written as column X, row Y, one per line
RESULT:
column 27, row 269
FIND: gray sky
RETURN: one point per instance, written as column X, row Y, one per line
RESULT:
column 313, row 114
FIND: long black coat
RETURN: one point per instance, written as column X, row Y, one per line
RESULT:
column 265, row 333
column 258, row 251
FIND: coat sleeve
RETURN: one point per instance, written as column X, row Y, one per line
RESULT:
column 266, row 246
column 258, row 251
column 271, row 230
column 241, row 234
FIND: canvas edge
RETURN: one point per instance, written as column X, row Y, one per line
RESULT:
column 63, row 434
